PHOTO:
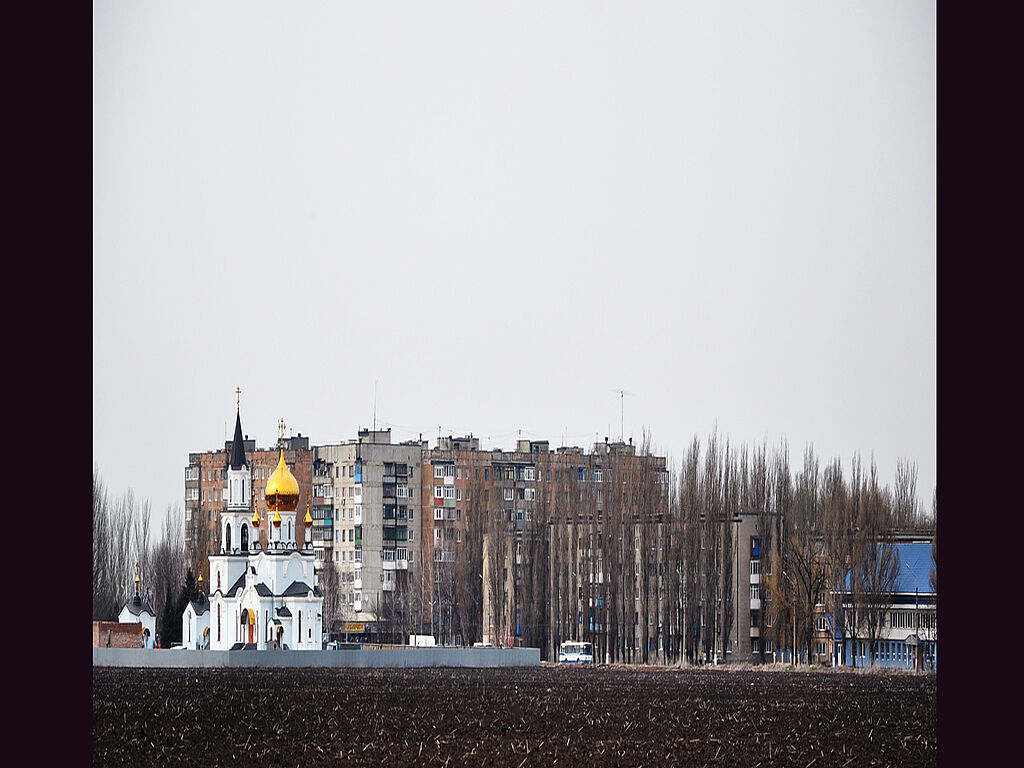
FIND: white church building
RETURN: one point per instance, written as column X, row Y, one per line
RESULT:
column 260, row 598
column 138, row 610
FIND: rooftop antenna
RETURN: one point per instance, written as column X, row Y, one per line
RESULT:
column 622, row 431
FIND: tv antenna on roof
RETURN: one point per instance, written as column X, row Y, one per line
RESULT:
column 622, row 409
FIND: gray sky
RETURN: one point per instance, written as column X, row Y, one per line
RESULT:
column 500, row 213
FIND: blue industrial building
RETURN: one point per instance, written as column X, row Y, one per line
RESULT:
column 909, row 624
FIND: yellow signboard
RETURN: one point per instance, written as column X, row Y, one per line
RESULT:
column 355, row 626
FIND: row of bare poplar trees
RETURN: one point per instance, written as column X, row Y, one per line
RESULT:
column 122, row 546
column 649, row 579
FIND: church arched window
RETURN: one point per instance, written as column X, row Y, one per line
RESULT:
column 227, row 537
column 218, row 614
column 245, row 537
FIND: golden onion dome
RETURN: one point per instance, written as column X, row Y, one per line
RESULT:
column 282, row 488
column 277, row 519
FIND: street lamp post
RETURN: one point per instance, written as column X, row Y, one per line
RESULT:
column 917, row 622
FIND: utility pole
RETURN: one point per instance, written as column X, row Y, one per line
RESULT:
column 792, row 610
column 917, row 623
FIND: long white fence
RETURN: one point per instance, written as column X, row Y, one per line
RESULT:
column 367, row 657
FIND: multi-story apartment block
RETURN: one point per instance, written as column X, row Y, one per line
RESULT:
column 497, row 518
column 369, row 527
column 207, row 492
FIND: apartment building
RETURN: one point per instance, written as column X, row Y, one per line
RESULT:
column 494, row 517
column 369, row 525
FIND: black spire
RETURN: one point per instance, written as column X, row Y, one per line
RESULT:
column 238, row 446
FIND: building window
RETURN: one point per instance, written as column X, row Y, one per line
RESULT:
column 755, row 591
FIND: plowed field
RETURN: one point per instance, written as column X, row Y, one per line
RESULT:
column 512, row 717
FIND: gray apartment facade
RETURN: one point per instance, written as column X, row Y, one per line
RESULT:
column 369, row 525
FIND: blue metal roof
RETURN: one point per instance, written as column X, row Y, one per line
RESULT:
column 917, row 555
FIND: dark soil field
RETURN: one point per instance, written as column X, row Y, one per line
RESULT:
column 512, row 717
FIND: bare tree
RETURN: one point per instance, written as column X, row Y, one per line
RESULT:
column 167, row 564
column 690, row 508
column 838, row 539
column 879, row 564
column 469, row 565
column 731, row 484
column 496, row 559
column 907, row 511
column 760, row 496
column 806, row 560
column 711, row 533
column 779, row 594
column 120, row 546
column 329, row 583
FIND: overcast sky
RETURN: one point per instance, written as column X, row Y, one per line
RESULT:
column 498, row 214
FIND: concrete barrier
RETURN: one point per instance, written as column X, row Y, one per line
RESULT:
column 367, row 657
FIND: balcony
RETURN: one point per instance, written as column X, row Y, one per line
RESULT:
column 358, row 583
column 388, row 586
column 755, row 632
column 402, row 565
column 755, row 604
column 359, row 516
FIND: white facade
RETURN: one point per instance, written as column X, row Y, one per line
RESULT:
column 266, row 598
column 140, row 612
column 269, row 599
column 195, row 625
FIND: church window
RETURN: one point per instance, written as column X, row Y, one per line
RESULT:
column 218, row 612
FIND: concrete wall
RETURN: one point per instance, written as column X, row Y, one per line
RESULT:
column 369, row 657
